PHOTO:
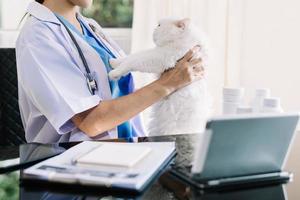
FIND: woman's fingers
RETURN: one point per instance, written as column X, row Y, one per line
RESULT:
column 195, row 51
column 190, row 67
column 195, row 61
column 197, row 68
column 190, row 54
column 197, row 65
column 198, row 75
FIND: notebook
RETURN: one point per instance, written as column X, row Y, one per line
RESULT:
column 111, row 154
column 111, row 165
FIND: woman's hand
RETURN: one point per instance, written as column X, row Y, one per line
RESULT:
column 186, row 71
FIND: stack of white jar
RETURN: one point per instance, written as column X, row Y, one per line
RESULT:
column 262, row 102
column 232, row 99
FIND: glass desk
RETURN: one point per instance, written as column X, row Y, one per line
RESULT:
column 164, row 187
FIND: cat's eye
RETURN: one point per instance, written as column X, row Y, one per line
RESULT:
column 158, row 25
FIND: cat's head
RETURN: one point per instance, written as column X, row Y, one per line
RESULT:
column 170, row 30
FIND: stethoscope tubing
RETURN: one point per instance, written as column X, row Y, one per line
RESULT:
column 91, row 82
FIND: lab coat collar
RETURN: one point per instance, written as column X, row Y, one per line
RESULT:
column 42, row 13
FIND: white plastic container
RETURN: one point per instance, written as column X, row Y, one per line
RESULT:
column 257, row 102
column 232, row 99
column 230, row 108
column 271, row 105
column 244, row 110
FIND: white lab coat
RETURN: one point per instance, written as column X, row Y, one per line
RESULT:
column 51, row 81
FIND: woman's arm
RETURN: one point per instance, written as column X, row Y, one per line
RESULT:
column 111, row 113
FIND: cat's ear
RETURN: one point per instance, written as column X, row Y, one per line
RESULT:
column 183, row 23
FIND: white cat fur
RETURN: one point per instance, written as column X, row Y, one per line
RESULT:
column 186, row 110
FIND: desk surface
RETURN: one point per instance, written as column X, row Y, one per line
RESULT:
column 162, row 188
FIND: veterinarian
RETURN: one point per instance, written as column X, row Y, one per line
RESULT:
column 64, row 90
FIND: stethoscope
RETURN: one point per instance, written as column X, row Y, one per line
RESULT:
column 90, row 80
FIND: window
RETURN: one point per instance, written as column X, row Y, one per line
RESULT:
column 111, row 13
column 116, row 17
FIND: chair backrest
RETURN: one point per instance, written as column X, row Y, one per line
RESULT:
column 11, row 129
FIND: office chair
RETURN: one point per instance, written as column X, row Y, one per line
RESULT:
column 11, row 129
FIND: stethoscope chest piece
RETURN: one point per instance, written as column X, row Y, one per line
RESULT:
column 91, row 84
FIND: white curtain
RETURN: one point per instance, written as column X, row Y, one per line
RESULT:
column 209, row 15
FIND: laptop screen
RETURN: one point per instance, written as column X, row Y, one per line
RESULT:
column 246, row 145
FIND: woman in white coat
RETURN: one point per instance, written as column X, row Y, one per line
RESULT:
column 55, row 101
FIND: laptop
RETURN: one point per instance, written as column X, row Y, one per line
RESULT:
column 241, row 150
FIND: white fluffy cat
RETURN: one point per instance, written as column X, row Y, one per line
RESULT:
column 186, row 110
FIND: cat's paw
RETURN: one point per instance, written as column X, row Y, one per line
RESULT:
column 114, row 63
column 114, row 75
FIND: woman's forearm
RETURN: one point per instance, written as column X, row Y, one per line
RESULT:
column 111, row 113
